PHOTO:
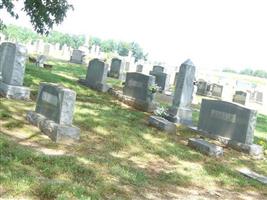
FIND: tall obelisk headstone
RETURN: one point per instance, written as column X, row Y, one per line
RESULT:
column 181, row 111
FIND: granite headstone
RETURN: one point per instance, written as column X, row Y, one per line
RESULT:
column 54, row 112
column 12, row 63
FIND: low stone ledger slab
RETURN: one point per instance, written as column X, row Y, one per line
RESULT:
column 57, row 132
column 254, row 175
column 162, row 124
column 205, row 147
column 14, row 92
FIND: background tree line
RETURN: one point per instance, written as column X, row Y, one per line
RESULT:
column 248, row 71
column 25, row 35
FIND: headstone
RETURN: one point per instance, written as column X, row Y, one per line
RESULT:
column 12, row 63
column 40, row 61
column 47, row 48
column 139, row 68
column 205, row 147
column 77, row 56
column 259, row 97
column 161, row 79
column 217, row 90
column 202, row 88
column 96, row 75
column 228, row 120
column 240, row 97
column 158, row 68
column 138, row 87
column 54, row 112
column 251, row 174
column 117, row 69
column 181, row 111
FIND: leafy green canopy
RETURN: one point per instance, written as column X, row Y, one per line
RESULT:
column 43, row 13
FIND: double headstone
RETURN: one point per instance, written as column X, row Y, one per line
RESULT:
column 161, row 79
column 139, row 87
column 236, row 123
column 54, row 112
column 181, row 111
column 96, row 75
column 117, row 69
column 77, row 56
column 12, row 65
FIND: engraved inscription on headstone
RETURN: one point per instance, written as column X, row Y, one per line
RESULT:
column 228, row 120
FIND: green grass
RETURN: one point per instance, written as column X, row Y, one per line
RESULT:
column 118, row 157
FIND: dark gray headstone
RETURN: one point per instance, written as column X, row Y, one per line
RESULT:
column 54, row 112
column 158, row 68
column 228, row 120
column 96, row 75
column 56, row 103
column 137, row 86
column 116, row 68
column 77, row 56
column 217, row 90
column 240, row 97
column 205, row 147
column 161, row 79
column 181, row 111
column 139, row 68
column 202, row 88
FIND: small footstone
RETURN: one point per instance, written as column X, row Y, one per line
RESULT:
column 205, row 147
column 253, row 175
column 162, row 124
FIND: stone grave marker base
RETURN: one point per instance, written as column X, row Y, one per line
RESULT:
column 99, row 87
column 57, row 132
column 180, row 115
column 14, row 92
column 162, row 124
column 205, row 147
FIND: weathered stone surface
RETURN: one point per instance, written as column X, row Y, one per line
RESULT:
column 77, row 56
column 137, row 86
column 161, row 79
column 12, row 66
column 57, row 132
column 251, row 149
column 139, row 68
column 54, row 112
column 158, row 68
column 40, row 61
column 217, row 90
column 205, row 147
column 180, row 111
column 13, row 63
column 162, row 124
column 240, row 97
column 117, row 68
column 138, row 104
column 96, row 76
column 14, row 92
column 261, row 178
column 202, row 88
column 227, row 120
column 56, row 103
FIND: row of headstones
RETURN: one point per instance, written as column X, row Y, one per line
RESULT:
column 55, row 104
column 216, row 90
column 119, row 68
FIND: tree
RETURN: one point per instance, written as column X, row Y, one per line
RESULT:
column 247, row 72
column 43, row 13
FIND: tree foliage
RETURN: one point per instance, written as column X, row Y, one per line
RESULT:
column 43, row 13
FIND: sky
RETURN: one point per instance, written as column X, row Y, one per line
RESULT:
column 214, row 34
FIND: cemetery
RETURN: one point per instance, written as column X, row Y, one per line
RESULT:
column 86, row 118
column 103, row 131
